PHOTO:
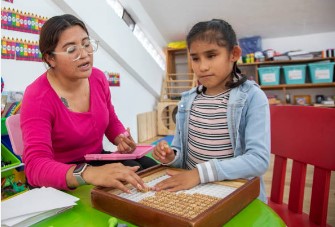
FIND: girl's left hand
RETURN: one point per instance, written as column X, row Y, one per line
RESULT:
column 126, row 143
column 179, row 180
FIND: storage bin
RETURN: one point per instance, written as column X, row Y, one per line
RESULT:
column 269, row 75
column 322, row 72
column 295, row 74
column 8, row 156
column 3, row 126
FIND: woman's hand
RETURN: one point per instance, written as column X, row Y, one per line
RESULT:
column 114, row 175
column 125, row 143
column 163, row 153
column 179, row 180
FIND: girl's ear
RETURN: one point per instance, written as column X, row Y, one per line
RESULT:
column 236, row 53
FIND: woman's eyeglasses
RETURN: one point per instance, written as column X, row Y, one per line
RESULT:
column 74, row 51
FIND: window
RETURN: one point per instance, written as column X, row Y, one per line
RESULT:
column 129, row 21
column 126, row 17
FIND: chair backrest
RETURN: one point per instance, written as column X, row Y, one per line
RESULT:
column 305, row 135
column 15, row 133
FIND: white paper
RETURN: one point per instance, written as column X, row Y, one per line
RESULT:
column 38, row 202
column 28, row 220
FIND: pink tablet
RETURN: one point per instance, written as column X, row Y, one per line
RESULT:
column 139, row 152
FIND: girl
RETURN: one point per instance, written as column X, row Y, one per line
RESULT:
column 223, row 125
column 66, row 112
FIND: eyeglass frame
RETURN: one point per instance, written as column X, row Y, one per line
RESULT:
column 81, row 47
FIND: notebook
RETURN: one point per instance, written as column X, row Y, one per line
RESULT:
column 139, row 152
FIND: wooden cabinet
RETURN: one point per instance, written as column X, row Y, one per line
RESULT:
column 283, row 90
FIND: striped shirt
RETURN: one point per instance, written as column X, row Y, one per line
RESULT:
column 208, row 136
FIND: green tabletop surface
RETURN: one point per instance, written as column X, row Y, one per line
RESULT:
column 83, row 214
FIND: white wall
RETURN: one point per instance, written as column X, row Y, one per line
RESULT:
column 140, row 75
column 313, row 42
column 18, row 74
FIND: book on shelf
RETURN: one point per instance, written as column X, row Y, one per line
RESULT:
column 282, row 57
column 296, row 52
column 302, row 56
column 297, row 55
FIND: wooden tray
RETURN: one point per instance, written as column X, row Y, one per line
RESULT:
column 116, row 203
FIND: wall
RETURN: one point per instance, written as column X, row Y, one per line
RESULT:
column 313, row 42
column 18, row 74
column 141, row 77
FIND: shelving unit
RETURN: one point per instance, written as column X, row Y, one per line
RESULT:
column 251, row 70
column 179, row 77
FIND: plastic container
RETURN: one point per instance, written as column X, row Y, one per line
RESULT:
column 3, row 126
column 269, row 75
column 7, row 156
column 322, row 72
column 295, row 74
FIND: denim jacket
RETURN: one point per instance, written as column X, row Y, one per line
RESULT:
column 248, row 118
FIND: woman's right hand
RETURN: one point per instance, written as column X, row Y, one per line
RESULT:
column 114, row 175
column 163, row 153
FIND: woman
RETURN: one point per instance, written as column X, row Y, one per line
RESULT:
column 67, row 111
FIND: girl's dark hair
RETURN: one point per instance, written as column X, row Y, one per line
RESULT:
column 220, row 32
column 52, row 29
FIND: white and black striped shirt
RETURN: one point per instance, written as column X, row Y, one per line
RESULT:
column 208, row 136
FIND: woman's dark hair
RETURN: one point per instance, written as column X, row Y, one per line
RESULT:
column 52, row 29
column 219, row 32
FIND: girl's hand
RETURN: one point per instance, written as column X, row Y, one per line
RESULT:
column 114, row 175
column 179, row 180
column 163, row 153
column 125, row 143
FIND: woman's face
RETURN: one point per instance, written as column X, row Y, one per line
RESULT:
column 212, row 64
column 63, row 64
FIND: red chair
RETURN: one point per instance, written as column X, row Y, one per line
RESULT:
column 307, row 136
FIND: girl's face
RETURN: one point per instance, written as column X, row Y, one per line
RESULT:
column 63, row 64
column 213, row 64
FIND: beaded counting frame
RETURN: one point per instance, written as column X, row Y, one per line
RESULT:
column 216, row 202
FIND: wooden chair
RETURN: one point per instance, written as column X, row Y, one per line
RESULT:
column 307, row 136
column 15, row 133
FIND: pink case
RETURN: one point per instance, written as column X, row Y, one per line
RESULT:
column 139, row 152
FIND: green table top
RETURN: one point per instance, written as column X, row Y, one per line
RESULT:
column 83, row 214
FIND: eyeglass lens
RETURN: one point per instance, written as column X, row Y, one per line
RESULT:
column 75, row 51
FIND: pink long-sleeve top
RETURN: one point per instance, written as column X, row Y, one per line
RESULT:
column 54, row 136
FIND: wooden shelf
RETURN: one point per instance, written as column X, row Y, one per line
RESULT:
column 282, row 91
column 286, row 62
column 297, row 86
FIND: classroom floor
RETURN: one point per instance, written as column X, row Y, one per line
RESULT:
column 308, row 186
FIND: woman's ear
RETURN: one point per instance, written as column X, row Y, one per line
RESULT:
column 50, row 60
column 236, row 53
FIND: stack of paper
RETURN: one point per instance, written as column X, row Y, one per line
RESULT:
column 35, row 205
